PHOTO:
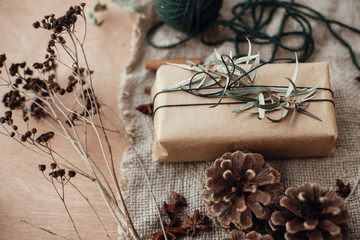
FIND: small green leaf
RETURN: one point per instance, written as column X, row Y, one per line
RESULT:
column 185, row 82
column 129, row 5
column 253, row 66
column 249, row 52
column 245, row 59
column 244, row 107
column 292, row 116
column 293, row 79
column 303, row 111
column 293, row 87
column 240, row 91
column 268, row 106
column 240, row 97
column 261, row 102
column 100, row 7
column 217, row 55
column 274, row 120
column 90, row 17
column 308, row 97
column 285, row 112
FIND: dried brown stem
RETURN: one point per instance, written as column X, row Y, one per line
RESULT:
column 34, row 226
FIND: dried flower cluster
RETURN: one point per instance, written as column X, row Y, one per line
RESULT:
column 58, row 179
column 55, row 173
column 242, row 193
column 12, row 130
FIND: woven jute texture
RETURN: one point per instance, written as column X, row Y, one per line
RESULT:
column 186, row 178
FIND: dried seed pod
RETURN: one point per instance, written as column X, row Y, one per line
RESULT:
column 45, row 137
column 61, row 172
column 28, row 134
column 71, row 173
column 53, row 165
column 23, row 138
column 33, row 131
column 310, row 212
column 54, row 174
column 240, row 189
column 42, row 167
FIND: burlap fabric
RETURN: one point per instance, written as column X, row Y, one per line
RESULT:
column 186, row 178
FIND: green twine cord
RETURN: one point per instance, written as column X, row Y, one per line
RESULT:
column 188, row 16
column 262, row 12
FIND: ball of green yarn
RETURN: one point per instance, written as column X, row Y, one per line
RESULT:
column 188, row 16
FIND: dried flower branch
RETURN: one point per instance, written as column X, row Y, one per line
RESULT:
column 38, row 92
column 57, row 175
column 34, row 226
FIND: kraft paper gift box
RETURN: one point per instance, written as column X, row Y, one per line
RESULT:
column 200, row 133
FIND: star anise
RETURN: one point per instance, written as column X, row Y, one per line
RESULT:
column 145, row 108
column 194, row 223
column 179, row 200
column 174, row 207
column 343, row 190
column 170, row 231
column 170, row 209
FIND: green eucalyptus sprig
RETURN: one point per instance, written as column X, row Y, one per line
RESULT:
column 128, row 5
column 238, row 85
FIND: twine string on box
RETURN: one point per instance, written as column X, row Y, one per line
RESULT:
column 227, row 103
column 224, row 88
column 254, row 28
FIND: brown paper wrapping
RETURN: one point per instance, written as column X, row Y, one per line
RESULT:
column 200, row 133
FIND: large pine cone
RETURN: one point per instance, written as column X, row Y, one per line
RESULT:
column 310, row 212
column 240, row 235
column 240, row 187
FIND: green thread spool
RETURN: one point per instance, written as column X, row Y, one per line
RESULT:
column 188, row 16
column 252, row 27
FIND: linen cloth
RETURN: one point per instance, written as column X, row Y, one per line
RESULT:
column 186, row 178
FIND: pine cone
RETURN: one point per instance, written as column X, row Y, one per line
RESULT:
column 240, row 188
column 310, row 212
column 240, row 235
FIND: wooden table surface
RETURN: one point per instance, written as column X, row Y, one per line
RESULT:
column 24, row 193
